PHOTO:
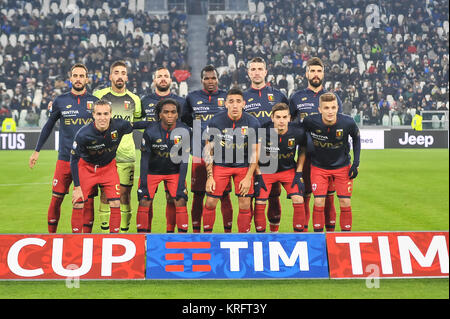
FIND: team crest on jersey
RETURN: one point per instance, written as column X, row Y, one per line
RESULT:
column 127, row 104
column 177, row 139
column 291, row 142
column 270, row 97
column 314, row 187
column 220, row 101
column 89, row 105
column 339, row 133
column 244, row 130
column 114, row 135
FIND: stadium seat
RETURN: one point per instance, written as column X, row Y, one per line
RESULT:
column 165, row 39
column 413, row 112
column 93, row 40
column 396, row 120
column 3, row 40
column 13, row 39
column 22, row 122
column 140, row 5
column 231, row 61
column 400, row 19
column 251, row 7
column 43, row 118
column 63, row 6
column 291, row 82
column 156, row 39
column 1, row 59
column 28, row 8
column 102, row 40
column 147, row 39
column 385, row 120
column 37, row 97
column 260, row 7
column 183, row 91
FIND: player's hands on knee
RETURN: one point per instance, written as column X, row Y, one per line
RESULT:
column 210, row 185
column 353, row 172
column 298, row 180
column 143, row 194
column 77, row 194
column 244, row 186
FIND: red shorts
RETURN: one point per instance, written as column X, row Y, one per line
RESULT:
column 320, row 180
column 285, row 178
column 198, row 176
column 105, row 176
column 62, row 178
column 170, row 184
column 307, row 178
column 222, row 177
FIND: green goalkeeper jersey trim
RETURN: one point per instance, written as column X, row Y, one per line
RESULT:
column 126, row 106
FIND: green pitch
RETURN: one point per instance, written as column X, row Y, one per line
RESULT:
column 396, row 190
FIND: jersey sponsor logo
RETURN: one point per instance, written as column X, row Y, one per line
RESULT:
column 122, row 117
column 204, row 117
column 261, row 114
column 77, row 121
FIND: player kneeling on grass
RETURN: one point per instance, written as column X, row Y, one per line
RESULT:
column 92, row 163
column 165, row 153
column 280, row 144
column 330, row 134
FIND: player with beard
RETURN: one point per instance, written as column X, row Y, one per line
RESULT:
column 202, row 105
column 304, row 103
column 73, row 110
column 162, row 82
column 127, row 106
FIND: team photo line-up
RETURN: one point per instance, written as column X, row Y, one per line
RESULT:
column 257, row 139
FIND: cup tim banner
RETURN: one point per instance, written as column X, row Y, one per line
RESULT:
column 236, row 256
column 388, row 254
column 72, row 256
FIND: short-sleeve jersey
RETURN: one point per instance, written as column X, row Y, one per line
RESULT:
column 283, row 149
column 331, row 143
column 125, row 106
column 235, row 137
column 259, row 103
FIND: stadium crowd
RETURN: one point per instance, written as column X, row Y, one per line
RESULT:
column 36, row 52
column 393, row 56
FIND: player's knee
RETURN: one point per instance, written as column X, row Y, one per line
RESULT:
column 78, row 205
column 211, row 202
column 344, row 201
column 297, row 199
column 319, row 201
column 244, row 203
column 114, row 203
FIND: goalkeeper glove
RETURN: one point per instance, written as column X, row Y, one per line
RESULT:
column 353, row 172
column 142, row 193
column 298, row 180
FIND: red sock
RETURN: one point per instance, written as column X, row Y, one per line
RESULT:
column 330, row 213
column 299, row 217
column 244, row 220
column 318, row 218
column 209, row 217
column 77, row 220
column 260, row 217
column 345, row 219
column 306, row 200
column 227, row 213
column 196, row 212
column 171, row 217
column 114, row 220
column 142, row 219
column 53, row 214
column 88, row 215
column 182, row 219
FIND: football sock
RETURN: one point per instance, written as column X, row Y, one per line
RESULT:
column 244, row 220
column 182, row 219
column 318, row 218
column 88, row 215
column 77, row 220
column 114, row 220
column 53, row 214
column 171, row 216
column 142, row 224
column 345, row 219
column 227, row 213
column 299, row 217
column 209, row 217
column 260, row 217
column 125, row 211
column 330, row 213
column 196, row 212
column 306, row 200
column 103, row 215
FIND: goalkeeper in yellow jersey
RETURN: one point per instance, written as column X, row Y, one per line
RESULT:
column 125, row 105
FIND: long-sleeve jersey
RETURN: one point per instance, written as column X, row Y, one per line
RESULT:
column 306, row 102
column 259, row 102
column 331, row 143
column 95, row 147
column 72, row 111
column 125, row 106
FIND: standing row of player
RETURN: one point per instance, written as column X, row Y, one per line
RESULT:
column 105, row 144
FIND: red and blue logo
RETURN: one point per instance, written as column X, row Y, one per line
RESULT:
column 235, row 256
